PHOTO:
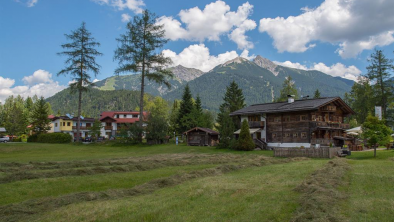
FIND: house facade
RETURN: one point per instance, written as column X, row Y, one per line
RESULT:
column 68, row 124
column 296, row 123
column 113, row 121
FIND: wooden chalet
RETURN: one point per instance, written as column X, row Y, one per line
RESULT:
column 199, row 136
column 298, row 123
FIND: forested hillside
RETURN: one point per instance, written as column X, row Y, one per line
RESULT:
column 95, row 101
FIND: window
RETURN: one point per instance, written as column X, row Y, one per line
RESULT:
column 340, row 119
column 124, row 116
column 88, row 124
column 303, row 135
column 295, row 135
column 55, row 124
column 270, row 119
column 277, row 119
column 313, row 117
column 286, row 119
column 273, row 135
column 287, row 135
column 135, row 116
column 64, row 123
column 117, row 116
column 68, row 124
column 319, row 118
column 303, row 118
column 253, row 118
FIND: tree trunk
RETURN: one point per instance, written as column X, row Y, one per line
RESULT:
column 142, row 101
column 79, row 114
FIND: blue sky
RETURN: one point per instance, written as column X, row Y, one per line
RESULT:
column 333, row 36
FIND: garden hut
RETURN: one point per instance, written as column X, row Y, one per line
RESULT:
column 199, row 136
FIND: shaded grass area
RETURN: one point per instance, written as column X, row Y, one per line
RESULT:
column 253, row 194
column 36, row 152
column 32, row 189
column 371, row 192
column 321, row 194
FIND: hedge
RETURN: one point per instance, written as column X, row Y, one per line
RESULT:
column 32, row 138
column 54, row 138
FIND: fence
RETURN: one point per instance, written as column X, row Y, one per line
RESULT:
column 324, row 152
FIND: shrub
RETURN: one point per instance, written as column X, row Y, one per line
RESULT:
column 54, row 138
column 33, row 138
column 245, row 141
column 17, row 139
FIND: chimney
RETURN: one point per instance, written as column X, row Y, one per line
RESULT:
column 290, row 98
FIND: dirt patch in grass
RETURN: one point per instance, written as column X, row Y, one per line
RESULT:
column 27, row 209
column 39, row 170
column 320, row 194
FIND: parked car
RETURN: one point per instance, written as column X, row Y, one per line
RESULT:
column 88, row 139
column 4, row 139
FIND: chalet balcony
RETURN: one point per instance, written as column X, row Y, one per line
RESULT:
column 82, row 128
column 329, row 109
column 330, row 125
column 256, row 124
column 108, row 128
column 323, row 142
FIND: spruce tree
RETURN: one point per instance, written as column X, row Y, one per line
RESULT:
column 81, row 56
column 137, row 53
column 245, row 141
column 40, row 122
column 379, row 73
column 185, row 109
column 317, row 94
column 288, row 88
column 233, row 100
column 226, row 131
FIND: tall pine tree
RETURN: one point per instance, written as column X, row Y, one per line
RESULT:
column 379, row 73
column 317, row 94
column 81, row 56
column 185, row 109
column 39, row 116
column 288, row 88
column 137, row 53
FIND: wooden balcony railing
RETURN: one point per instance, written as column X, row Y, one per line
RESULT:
column 108, row 128
column 329, row 109
column 256, row 124
column 330, row 125
column 324, row 142
column 82, row 127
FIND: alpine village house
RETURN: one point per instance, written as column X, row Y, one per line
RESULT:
column 297, row 123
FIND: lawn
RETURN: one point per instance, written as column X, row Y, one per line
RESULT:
column 47, row 182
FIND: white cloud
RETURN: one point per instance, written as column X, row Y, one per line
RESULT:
column 95, row 80
column 214, row 20
column 126, row 17
column 40, row 83
column 133, row 5
column 31, row 3
column 198, row 56
column 338, row 69
column 355, row 25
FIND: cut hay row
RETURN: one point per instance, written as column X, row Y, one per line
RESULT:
column 321, row 197
column 27, row 210
column 131, row 166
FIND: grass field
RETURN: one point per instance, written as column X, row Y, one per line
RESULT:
column 46, row 182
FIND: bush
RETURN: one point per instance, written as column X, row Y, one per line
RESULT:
column 33, row 138
column 245, row 141
column 54, row 138
column 17, row 139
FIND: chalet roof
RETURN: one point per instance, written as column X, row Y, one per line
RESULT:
column 209, row 131
column 111, row 114
column 297, row 105
column 85, row 119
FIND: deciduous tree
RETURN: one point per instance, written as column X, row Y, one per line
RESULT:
column 376, row 132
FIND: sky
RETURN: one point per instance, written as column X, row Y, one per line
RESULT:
column 333, row 36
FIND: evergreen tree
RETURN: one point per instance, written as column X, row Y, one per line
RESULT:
column 81, row 59
column 137, row 53
column 379, row 73
column 288, row 88
column 173, row 118
column 95, row 130
column 157, row 129
column 40, row 122
column 245, row 141
column 233, row 100
column 185, row 120
column 376, row 132
column 226, row 132
column 317, row 94
column 361, row 99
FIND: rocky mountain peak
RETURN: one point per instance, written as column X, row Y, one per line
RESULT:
column 266, row 64
column 186, row 74
column 236, row 60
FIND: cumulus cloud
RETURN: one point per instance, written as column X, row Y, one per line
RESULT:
column 214, row 20
column 40, row 83
column 31, row 3
column 338, row 69
column 198, row 56
column 126, row 17
column 133, row 5
column 355, row 25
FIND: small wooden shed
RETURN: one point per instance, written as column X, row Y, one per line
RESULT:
column 199, row 136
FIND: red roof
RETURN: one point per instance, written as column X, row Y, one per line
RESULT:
column 111, row 114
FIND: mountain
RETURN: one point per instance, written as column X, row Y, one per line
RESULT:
column 261, row 81
column 132, row 82
column 94, row 101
